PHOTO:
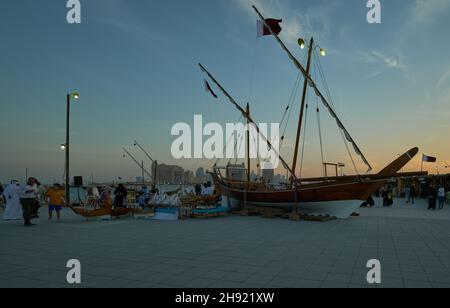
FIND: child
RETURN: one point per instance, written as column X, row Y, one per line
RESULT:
column 55, row 200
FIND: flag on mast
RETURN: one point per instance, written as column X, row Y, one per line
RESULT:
column 428, row 159
column 274, row 24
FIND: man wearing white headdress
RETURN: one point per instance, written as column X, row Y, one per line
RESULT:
column 13, row 210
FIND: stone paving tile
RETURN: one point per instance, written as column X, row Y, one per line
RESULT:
column 283, row 282
column 237, row 277
column 343, row 279
column 417, row 284
column 332, row 285
column 392, row 283
column 305, row 283
column 260, row 279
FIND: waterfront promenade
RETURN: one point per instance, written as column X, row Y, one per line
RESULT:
column 412, row 244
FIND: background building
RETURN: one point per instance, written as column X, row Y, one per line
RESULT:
column 188, row 177
column 237, row 172
column 169, row 174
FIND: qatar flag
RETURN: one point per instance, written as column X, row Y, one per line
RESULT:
column 429, row 159
column 274, row 24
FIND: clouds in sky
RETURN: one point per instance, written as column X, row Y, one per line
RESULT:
column 425, row 10
column 444, row 80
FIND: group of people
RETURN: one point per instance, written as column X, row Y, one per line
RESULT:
column 387, row 194
column 204, row 190
column 436, row 194
column 23, row 201
column 118, row 195
column 146, row 194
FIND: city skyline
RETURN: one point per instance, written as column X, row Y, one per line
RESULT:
column 136, row 71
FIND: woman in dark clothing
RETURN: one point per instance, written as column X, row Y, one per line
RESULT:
column 198, row 189
column 120, row 194
column 390, row 196
column 431, row 193
column 384, row 195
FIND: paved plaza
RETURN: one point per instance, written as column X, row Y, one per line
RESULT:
column 412, row 244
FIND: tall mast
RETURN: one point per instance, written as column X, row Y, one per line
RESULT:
column 248, row 144
column 249, row 119
column 302, row 106
column 313, row 85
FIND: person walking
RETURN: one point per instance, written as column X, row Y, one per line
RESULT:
column 412, row 193
column 28, row 197
column 120, row 196
column 390, row 196
column 13, row 209
column 55, row 198
column 384, row 195
column 441, row 197
column 431, row 193
column 407, row 193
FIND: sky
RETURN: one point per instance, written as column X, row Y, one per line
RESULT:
column 134, row 64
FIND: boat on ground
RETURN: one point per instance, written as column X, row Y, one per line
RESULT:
column 336, row 196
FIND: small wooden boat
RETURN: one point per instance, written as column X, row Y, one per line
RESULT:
column 105, row 211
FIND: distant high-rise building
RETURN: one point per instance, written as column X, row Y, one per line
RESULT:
column 253, row 176
column 188, row 177
column 268, row 172
column 236, row 172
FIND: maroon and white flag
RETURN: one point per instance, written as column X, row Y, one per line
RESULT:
column 274, row 24
column 429, row 159
column 209, row 89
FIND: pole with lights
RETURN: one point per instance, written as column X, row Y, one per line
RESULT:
column 66, row 146
column 302, row 43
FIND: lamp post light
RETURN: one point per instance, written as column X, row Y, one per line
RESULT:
column 66, row 146
column 302, row 43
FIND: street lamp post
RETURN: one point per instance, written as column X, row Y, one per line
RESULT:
column 67, row 144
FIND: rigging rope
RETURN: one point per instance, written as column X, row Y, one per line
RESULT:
column 330, row 99
column 228, row 141
column 289, row 108
column 258, row 161
column 304, row 141
column 241, row 139
column 318, row 118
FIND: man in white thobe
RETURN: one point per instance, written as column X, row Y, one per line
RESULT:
column 13, row 209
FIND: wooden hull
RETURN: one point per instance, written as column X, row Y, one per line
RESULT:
column 338, row 209
column 321, row 195
column 339, row 200
column 334, row 192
